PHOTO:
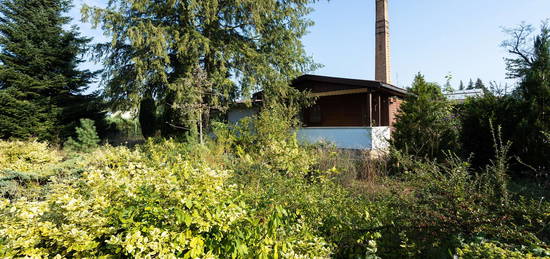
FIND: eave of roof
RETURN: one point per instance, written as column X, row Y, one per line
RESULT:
column 353, row 82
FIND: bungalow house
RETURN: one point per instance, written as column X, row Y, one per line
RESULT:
column 351, row 113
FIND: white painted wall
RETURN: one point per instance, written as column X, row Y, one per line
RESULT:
column 365, row 138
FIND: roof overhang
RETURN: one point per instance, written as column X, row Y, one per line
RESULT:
column 345, row 86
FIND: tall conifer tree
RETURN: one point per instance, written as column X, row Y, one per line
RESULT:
column 40, row 83
column 194, row 57
column 479, row 84
column 470, row 85
column 425, row 125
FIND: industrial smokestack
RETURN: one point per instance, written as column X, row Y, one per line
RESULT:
column 382, row 42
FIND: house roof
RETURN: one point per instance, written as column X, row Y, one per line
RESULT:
column 326, row 85
column 319, row 84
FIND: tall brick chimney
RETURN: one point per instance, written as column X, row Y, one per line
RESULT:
column 382, row 42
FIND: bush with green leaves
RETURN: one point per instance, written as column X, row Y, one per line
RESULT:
column 441, row 205
column 26, row 168
column 128, row 203
column 489, row 250
column 273, row 169
column 256, row 192
column 267, row 141
column 87, row 138
column 27, row 156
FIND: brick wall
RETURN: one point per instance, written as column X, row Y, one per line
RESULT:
column 395, row 103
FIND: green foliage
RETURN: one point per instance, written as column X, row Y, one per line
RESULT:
column 269, row 138
column 470, row 85
column 532, row 67
column 21, row 118
column 426, row 126
column 522, row 115
column 27, row 156
column 87, row 138
column 120, row 125
column 24, row 166
column 275, row 170
column 478, row 114
column 130, row 203
column 233, row 198
column 39, row 74
column 479, row 84
column 494, row 250
column 194, row 57
column 439, row 205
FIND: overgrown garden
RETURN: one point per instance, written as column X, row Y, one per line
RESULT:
column 461, row 179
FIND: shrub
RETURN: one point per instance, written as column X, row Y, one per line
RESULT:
column 273, row 169
column 87, row 138
column 27, row 156
column 495, row 250
column 130, row 204
column 267, row 141
column 442, row 204
column 26, row 168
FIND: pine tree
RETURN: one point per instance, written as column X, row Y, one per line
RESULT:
column 425, row 126
column 161, row 50
column 40, row 84
column 461, row 87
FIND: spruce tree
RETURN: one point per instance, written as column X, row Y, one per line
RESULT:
column 461, row 87
column 40, row 83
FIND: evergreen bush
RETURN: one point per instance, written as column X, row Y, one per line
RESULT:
column 426, row 126
column 87, row 138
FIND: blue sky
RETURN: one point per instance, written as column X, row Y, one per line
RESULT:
column 435, row 37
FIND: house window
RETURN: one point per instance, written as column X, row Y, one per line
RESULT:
column 315, row 114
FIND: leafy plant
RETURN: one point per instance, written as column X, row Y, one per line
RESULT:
column 488, row 249
column 27, row 156
column 128, row 203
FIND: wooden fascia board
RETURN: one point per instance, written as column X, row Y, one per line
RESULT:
column 340, row 92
